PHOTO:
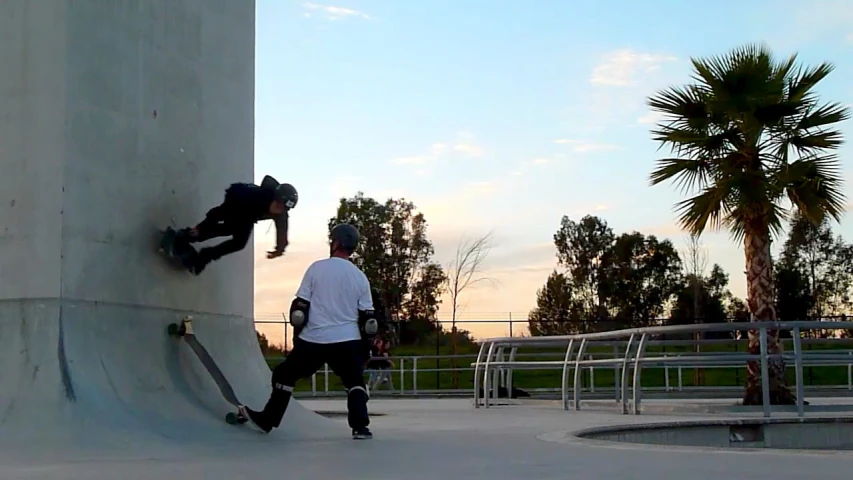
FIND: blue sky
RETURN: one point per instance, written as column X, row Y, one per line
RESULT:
column 498, row 115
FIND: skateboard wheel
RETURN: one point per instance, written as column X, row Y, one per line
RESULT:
column 234, row 419
column 173, row 329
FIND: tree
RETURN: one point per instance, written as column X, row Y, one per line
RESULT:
column 642, row 275
column 695, row 263
column 747, row 135
column 464, row 272
column 394, row 250
column 556, row 311
column 710, row 299
column 737, row 310
column 421, row 308
column 630, row 278
column 268, row 349
column 581, row 248
column 823, row 260
column 793, row 297
column 466, row 269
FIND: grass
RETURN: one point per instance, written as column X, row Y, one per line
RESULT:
column 603, row 378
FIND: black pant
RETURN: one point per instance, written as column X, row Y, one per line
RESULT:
column 346, row 359
column 222, row 222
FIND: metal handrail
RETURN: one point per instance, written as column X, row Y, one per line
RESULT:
column 490, row 349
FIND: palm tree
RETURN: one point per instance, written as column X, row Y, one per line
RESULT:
column 748, row 136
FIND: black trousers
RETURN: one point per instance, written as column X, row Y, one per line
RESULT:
column 221, row 221
column 346, row 359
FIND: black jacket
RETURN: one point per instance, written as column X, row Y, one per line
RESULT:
column 250, row 203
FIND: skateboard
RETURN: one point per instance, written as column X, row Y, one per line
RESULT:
column 176, row 250
column 185, row 331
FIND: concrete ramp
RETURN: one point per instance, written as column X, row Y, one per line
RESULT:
column 70, row 378
column 124, row 118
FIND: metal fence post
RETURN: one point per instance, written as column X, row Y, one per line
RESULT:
column 402, row 375
column 798, row 372
column 765, row 370
column 850, row 374
column 415, row 375
column 326, row 377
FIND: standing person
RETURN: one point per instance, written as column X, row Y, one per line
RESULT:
column 244, row 205
column 380, row 364
column 332, row 317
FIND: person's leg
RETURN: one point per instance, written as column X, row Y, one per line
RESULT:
column 214, row 224
column 240, row 234
column 303, row 361
column 346, row 360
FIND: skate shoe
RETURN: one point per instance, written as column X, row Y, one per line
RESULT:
column 253, row 419
column 362, row 433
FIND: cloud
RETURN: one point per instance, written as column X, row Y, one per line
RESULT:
column 332, row 12
column 469, row 149
column 582, row 147
column 650, row 118
column 463, row 145
column 622, row 68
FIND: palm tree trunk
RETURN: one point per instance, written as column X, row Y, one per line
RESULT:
column 759, row 294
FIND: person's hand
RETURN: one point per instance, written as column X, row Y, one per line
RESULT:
column 274, row 254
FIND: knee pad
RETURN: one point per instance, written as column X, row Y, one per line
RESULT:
column 357, row 391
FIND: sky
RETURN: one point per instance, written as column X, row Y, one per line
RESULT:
column 499, row 116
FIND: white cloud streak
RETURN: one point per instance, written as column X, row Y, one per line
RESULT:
column 332, row 12
column 623, row 68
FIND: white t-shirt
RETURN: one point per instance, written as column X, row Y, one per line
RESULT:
column 337, row 290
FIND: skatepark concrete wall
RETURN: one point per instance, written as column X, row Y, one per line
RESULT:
column 120, row 118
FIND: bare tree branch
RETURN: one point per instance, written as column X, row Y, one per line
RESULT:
column 465, row 271
column 695, row 257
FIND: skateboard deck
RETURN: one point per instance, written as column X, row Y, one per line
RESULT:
column 180, row 253
column 184, row 330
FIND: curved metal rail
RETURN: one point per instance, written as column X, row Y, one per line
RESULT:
column 490, row 362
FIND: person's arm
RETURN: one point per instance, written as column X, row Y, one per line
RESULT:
column 365, row 301
column 281, row 226
column 306, row 288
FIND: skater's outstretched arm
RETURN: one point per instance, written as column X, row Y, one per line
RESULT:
column 281, row 225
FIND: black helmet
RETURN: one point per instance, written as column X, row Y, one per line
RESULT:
column 346, row 236
column 287, row 194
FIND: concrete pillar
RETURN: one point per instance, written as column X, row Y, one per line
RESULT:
column 118, row 118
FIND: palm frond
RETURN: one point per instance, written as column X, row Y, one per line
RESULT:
column 801, row 86
column 688, row 174
column 814, row 186
column 710, row 206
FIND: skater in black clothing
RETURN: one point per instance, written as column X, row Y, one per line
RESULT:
column 332, row 317
column 245, row 204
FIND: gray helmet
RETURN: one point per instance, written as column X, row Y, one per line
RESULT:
column 346, row 235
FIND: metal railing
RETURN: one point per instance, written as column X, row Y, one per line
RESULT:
column 494, row 365
column 409, row 371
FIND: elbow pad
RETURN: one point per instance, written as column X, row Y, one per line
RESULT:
column 367, row 323
column 299, row 313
